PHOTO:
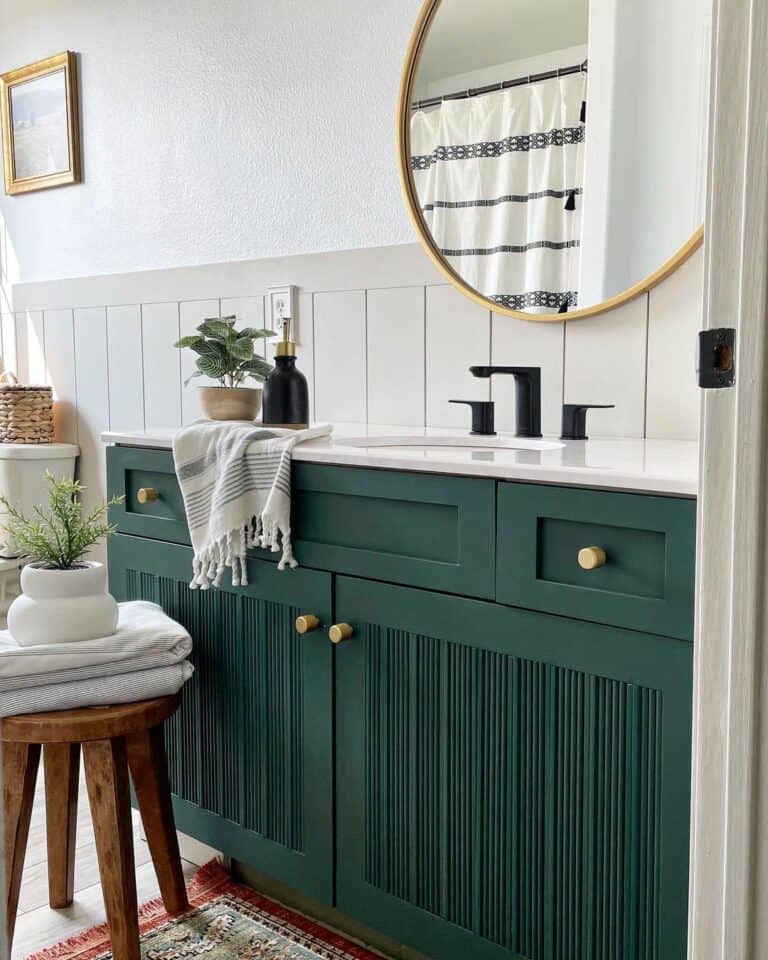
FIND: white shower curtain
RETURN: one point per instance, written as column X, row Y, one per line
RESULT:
column 499, row 179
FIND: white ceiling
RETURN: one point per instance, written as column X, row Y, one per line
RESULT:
column 468, row 35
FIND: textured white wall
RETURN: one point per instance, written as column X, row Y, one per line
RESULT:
column 214, row 130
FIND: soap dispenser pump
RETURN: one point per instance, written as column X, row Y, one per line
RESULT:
column 285, row 402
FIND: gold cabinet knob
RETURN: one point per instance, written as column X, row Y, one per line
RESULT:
column 340, row 632
column 590, row 558
column 147, row 495
column 307, row 623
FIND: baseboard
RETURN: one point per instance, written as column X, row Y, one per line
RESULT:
column 199, row 853
column 193, row 851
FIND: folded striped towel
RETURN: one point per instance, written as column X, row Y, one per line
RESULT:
column 97, row 691
column 236, row 482
column 145, row 638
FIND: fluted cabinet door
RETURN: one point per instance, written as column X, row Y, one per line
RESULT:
column 249, row 752
column 510, row 784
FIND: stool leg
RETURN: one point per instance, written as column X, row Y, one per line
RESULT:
column 147, row 763
column 20, row 763
column 106, row 776
column 62, row 772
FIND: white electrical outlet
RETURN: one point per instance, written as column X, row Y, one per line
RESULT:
column 283, row 302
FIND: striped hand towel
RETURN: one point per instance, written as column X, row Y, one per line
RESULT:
column 145, row 638
column 236, row 482
column 98, row 691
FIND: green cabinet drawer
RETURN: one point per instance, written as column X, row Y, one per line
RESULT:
column 131, row 469
column 647, row 580
column 250, row 749
column 428, row 531
column 510, row 784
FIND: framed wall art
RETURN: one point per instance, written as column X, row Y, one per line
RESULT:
column 40, row 125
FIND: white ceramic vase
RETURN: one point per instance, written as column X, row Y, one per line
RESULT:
column 61, row 606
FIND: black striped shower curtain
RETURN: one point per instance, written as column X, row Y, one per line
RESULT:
column 500, row 179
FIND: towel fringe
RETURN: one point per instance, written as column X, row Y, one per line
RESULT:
column 231, row 551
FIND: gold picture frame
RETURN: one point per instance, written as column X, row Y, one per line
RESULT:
column 407, row 84
column 41, row 125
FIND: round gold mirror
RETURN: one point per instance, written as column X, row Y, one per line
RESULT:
column 553, row 152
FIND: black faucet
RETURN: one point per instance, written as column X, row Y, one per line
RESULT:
column 528, row 393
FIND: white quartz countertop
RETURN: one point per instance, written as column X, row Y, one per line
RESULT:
column 647, row 466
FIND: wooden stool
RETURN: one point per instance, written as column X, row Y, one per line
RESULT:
column 113, row 740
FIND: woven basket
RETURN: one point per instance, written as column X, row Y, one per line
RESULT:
column 26, row 413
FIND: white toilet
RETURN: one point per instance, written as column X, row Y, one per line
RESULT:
column 22, row 479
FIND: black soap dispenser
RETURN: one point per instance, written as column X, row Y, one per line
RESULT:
column 285, row 402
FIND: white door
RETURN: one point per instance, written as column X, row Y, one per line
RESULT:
column 729, row 857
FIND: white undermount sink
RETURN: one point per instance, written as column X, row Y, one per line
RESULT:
column 465, row 440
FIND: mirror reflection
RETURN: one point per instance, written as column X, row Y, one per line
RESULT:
column 558, row 147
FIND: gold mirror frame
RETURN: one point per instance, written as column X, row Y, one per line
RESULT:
column 413, row 58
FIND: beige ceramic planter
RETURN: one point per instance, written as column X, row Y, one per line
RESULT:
column 230, row 403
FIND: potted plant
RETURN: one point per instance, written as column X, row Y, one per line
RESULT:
column 64, row 597
column 228, row 355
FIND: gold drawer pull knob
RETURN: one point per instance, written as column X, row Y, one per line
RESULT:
column 307, row 623
column 147, row 495
column 340, row 632
column 590, row 558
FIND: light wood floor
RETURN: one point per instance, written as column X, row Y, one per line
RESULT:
column 37, row 925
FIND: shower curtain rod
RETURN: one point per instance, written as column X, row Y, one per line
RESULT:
column 503, row 85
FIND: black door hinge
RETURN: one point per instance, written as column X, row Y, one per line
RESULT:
column 717, row 358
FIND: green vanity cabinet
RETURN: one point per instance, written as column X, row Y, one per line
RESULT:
column 496, row 764
column 510, row 784
column 250, row 752
column 649, row 542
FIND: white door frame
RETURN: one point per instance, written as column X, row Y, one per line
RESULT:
column 729, row 854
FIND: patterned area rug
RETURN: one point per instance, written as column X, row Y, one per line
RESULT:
column 226, row 921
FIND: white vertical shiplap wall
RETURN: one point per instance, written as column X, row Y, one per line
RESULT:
column 381, row 339
column 396, row 356
column 458, row 335
column 339, row 322
column 125, row 352
column 606, row 363
column 162, row 365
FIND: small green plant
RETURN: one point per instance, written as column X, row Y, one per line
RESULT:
column 58, row 538
column 225, row 353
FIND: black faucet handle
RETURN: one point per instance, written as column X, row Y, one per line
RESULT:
column 575, row 419
column 482, row 416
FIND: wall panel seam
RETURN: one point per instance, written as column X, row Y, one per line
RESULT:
column 109, row 381
column 647, row 358
column 424, row 334
column 143, row 376
column 365, row 356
